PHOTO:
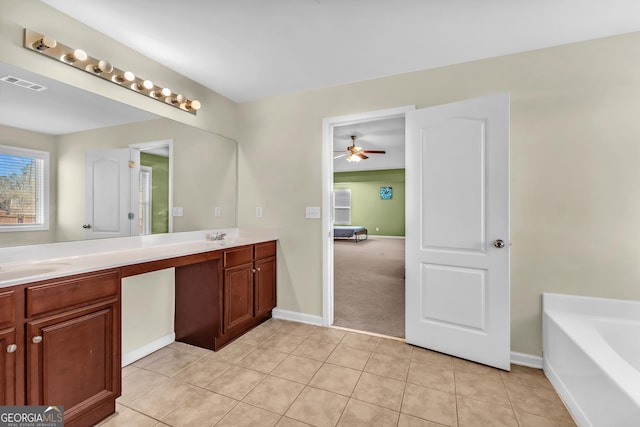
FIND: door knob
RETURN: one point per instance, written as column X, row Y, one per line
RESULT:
column 86, row 226
column 498, row 243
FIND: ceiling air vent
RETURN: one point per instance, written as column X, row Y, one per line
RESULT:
column 22, row 83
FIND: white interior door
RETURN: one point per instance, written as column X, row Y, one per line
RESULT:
column 109, row 195
column 457, row 216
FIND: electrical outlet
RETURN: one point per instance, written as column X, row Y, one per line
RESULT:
column 218, row 212
column 258, row 212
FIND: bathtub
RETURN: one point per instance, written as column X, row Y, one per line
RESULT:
column 591, row 349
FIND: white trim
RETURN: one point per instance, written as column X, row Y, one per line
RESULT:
column 380, row 236
column 529, row 360
column 279, row 313
column 328, row 124
column 147, row 349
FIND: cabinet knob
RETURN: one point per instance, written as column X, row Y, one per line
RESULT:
column 253, row 270
column 11, row 348
column 258, row 268
column 37, row 339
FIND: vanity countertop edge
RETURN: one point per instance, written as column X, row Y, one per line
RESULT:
column 54, row 260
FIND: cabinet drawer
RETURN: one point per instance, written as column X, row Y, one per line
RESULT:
column 7, row 308
column 72, row 292
column 265, row 250
column 238, row 256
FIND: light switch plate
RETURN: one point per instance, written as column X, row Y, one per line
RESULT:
column 178, row 211
column 218, row 211
column 312, row 212
column 258, row 212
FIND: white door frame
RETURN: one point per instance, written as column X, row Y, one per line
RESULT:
column 327, row 187
column 144, row 146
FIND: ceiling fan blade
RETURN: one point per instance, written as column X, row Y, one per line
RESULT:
column 374, row 151
column 362, row 156
column 341, row 155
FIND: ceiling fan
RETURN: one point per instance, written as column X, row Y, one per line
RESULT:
column 355, row 154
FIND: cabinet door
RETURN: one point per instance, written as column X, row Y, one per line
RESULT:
column 265, row 286
column 73, row 359
column 238, row 296
column 8, row 364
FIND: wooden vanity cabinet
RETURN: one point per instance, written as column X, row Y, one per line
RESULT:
column 73, row 354
column 249, row 289
column 8, row 349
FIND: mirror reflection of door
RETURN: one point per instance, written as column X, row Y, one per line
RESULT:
column 157, row 214
column 146, row 199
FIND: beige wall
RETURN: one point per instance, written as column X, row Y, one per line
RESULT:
column 575, row 175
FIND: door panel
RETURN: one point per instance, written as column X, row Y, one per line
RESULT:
column 457, row 281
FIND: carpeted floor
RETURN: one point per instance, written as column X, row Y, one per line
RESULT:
column 369, row 285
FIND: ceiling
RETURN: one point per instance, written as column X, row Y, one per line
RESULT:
column 252, row 49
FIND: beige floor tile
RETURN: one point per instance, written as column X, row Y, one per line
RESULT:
column 314, row 349
column 173, row 362
column 190, row 348
column 297, row 368
column 282, row 342
column 480, row 388
column 153, row 357
column 433, row 376
column 128, row 370
column 487, row 372
column 139, row 383
column 529, row 420
column 235, row 351
column 388, row 366
column 331, row 335
column 430, row 404
column 395, row 348
column 528, row 376
column 366, row 415
column 290, row 422
column 244, row 415
column 274, row 394
column 349, row 357
column 236, row 382
column 205, row 408
column 422, row 355
column 317, row 407
column 162, row 400
column 407, row 420
column 537, row 401
column 337, row 379
column 125, row 417
column 262, row 359
column 298, row 329
column 202, row 372
column 360, row 341
column 475, row 413
column 381, row 391
column 256, row 336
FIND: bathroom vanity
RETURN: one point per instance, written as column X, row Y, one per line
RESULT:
column 60, row 328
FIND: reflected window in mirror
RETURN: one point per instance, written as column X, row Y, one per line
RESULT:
column 24, row 189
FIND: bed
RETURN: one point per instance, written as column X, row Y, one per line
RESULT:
column 354, row 232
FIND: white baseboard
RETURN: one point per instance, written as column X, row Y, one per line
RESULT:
column 529, row 360
column 279, row 313
column 147, row 349
column 380, row 236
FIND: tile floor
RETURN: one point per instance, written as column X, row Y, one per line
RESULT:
column 292, row 374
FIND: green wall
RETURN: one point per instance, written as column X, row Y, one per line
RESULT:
column 367, row 208
column 159, row 191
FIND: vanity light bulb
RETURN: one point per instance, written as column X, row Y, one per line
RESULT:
column 195, row 105
column 179, row 99
column 76, row 55
column 102, row 67
column 162, row 93
column 44, row 43
column 128, row 76
column 147, row 84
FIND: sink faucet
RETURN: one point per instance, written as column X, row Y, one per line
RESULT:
column 216, row 236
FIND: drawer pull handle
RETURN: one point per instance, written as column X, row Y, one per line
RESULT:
column 37, row 339
column 11, row 348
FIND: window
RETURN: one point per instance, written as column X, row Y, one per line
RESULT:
column 24, row 189
column 342, row 207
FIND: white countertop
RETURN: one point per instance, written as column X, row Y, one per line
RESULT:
column 24, row 264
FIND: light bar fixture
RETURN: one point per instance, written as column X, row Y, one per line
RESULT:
column 78, row 58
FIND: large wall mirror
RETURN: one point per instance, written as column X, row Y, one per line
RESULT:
column 186, row 178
